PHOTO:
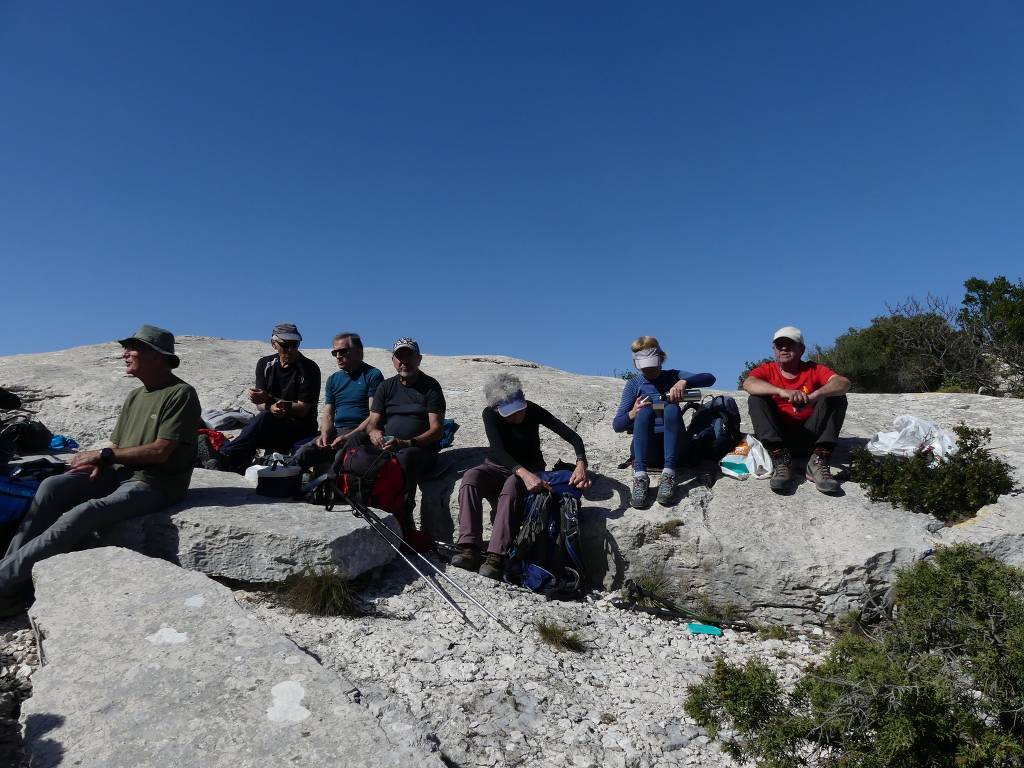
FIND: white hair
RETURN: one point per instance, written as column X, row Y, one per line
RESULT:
column 501, row 387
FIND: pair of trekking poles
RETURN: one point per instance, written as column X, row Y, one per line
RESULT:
column 399, row 544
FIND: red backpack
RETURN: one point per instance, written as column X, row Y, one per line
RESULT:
column 373, row 477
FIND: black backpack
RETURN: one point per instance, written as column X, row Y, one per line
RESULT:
column 545, row 556
column 714, row 429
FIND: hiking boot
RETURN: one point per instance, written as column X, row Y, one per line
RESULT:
column 493, row 567
column 666, row 489
column 638, row 497
column 818, row 473
column 468, row 557
column 782, row 470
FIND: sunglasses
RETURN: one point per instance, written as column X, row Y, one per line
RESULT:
column 341, row 352
column 288, row 344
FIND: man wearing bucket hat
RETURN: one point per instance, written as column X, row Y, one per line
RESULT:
column 797, row 407
column 148, row 466
column 406, row 418
column 286, row 393
column 514, row 467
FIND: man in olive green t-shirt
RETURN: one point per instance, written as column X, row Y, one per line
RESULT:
column 147, row 467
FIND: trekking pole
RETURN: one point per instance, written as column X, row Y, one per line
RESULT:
column 376, row 525
column 373, row 518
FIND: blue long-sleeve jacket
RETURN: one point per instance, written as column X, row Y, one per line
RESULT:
column 640, row 385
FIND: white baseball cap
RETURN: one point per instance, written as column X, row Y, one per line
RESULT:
column 789, row 332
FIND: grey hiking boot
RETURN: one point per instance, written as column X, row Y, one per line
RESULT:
column 666, row 489
column 469, row 557
column 818, row 472
column 782, row 471
column 493, row 567
column 638, row 497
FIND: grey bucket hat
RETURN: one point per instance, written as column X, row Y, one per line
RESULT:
column 158, row 339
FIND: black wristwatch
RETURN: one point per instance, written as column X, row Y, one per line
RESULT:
column 107, row 456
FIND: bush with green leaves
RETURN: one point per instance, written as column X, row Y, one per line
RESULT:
column 750, row 365
column 951, row 490
column 941, row 684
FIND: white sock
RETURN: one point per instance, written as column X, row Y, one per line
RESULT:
column 639, row 473
column 668, row 473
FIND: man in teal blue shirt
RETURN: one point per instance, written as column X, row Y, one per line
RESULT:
column 347, row 397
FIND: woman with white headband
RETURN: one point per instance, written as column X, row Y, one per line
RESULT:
column 658, row 435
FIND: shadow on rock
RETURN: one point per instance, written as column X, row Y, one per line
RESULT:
column 44, row 752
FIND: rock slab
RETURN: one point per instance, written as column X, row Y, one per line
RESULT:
column 148, row 665
column 224, row 528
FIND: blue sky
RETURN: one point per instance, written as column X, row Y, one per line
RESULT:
column 543, row 180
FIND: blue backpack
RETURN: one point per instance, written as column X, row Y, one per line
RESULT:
column 545, row 556
column 715, row 428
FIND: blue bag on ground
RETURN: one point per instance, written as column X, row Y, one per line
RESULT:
column 545, row 554
column 16, row 496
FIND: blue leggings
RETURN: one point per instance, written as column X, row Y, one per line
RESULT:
column 644, row 436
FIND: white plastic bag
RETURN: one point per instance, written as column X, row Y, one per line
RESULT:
column 749, row 459
column 912, row 435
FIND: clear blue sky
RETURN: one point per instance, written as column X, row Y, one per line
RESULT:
column 544, row 180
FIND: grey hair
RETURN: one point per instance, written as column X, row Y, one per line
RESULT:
column 500, row 388
column 355, row 338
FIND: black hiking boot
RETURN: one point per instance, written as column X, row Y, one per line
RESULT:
column 666, row 489
column 468, row 557
column 818, row 472
column 638, row 497
column 782, row 471
column 493, row 567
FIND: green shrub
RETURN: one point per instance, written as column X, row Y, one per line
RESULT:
column 750, row 365
column 320, row 593
column 940, row 685
column 952, row 490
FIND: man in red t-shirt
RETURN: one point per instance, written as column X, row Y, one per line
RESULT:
column 797, row 406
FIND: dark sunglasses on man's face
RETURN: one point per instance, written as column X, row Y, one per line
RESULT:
column 288, row 344
column 341, row 352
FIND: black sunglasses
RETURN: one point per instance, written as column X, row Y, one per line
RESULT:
column 341, row 352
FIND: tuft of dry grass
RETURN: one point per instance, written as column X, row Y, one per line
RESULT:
column 559, row 637
column 669, row 527
column 320, row 592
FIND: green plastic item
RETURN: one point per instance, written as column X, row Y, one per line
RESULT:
column 704, row 629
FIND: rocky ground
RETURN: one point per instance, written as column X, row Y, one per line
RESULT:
column 498, row 699
column 18, row 660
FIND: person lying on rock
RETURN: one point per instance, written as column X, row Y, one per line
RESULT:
column 797, row 407
column 406, row 418
column 649, row 409
column 347, row 397
column 147, row 467
column 513, row 468
column 286, row 392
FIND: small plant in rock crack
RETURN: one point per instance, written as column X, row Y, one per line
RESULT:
column 652, row 580
column 559, row 637
column 951, row 490
column 320, row 593
column 669, row 527
column 773, row 632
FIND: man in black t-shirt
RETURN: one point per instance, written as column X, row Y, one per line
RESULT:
column 286, row 393
column 407, row 418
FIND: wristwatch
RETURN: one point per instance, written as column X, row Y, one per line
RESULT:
column 107, row 456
